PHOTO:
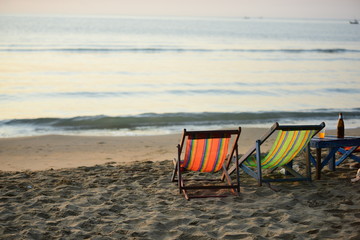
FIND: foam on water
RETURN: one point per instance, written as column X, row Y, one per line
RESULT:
column 157, row 124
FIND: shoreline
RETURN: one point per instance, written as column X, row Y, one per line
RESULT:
column 63, row 151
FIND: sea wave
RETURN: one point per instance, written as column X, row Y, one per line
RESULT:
column 166, row 123
column 175, row 119
column 179, row 50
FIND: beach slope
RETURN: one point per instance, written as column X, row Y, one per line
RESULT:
column 116, row 196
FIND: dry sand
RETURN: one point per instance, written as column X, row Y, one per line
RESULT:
column 128, row 195
column 56, row 151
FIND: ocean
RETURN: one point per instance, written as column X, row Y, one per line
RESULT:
column 121, row 76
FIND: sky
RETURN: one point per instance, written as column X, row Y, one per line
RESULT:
column 343, row 9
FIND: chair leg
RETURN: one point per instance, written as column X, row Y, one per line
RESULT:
column 186, row 195
column 308, row 164
column 237, row 170
column 228, row 161
column 228, row 179
column 258, row 162
column 289, row 165
column 174, row 171
column 182, row 189
column 180, row 181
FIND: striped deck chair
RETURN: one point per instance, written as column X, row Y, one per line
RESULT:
column 290, row 141
column 207, row 152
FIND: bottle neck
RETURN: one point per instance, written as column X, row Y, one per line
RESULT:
column 340, row 116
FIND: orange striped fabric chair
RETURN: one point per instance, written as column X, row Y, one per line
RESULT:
column 207, row 152
column 290, row 141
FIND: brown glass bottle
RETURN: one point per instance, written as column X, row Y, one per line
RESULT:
column 340, row 127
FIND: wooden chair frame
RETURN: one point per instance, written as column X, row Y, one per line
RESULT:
column 178, row 171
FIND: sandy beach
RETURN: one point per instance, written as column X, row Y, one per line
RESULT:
column 74, row 187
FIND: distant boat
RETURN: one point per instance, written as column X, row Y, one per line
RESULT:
column 355, row 21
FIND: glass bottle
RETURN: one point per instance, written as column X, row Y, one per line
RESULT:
column 340, row 127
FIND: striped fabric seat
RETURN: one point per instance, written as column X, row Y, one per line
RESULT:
column 206, row 153
column 286, row 146
column 290, row 141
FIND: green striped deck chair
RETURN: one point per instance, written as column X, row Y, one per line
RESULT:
column 206, row 152
column 290, row 141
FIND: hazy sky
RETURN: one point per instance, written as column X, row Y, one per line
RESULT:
column 346, row 9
